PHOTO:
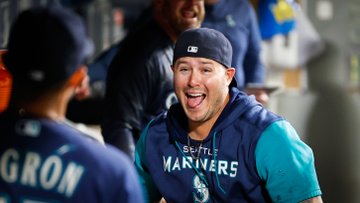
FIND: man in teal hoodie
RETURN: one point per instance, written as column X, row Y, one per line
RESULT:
column 218, row 144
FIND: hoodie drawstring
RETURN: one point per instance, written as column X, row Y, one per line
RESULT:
column 216, row 166
column 197, row 171
column 192, row 165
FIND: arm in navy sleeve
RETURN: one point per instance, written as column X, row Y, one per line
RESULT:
column 126, row 97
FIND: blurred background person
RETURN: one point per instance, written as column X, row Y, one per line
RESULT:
column 237, row 20
column 139, row 80
column 42, row 156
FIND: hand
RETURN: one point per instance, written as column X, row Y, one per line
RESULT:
column 260, row 96
column 317, row 199
column 83, row 90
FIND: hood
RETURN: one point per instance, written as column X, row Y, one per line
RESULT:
column 238, row 105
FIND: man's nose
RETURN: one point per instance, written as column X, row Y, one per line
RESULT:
column 194, row 79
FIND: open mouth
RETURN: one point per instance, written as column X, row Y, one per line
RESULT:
column 195, row 99
column 189, row 14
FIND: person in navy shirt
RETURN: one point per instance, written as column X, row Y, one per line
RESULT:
column 218, row 144
column 236, row 19
column 42, row 157
column 139, row 79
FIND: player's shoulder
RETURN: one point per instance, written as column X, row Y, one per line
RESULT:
column 46, row 137
column 112, row 158
column 233, row 5
column 88, row 149
column 99, row 153
column 159, row 121
column 156, row 129
column 238, row 9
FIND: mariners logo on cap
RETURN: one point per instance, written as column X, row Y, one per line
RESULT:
column 192, row 49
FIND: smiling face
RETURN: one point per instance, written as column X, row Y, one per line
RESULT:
column 202, row 87
column 180, row 15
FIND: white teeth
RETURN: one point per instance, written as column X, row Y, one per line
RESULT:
column 195, row 95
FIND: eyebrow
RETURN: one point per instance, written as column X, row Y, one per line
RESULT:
column 180, row 61
column 207, row 62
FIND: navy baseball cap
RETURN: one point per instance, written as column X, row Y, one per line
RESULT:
column 206, row 43
column 46, row 45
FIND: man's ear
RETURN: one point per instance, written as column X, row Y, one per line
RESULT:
column 77, row 77
column 230, row 72
column 79, row 80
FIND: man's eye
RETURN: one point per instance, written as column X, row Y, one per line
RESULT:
column 184, row 69
column 207, row 70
